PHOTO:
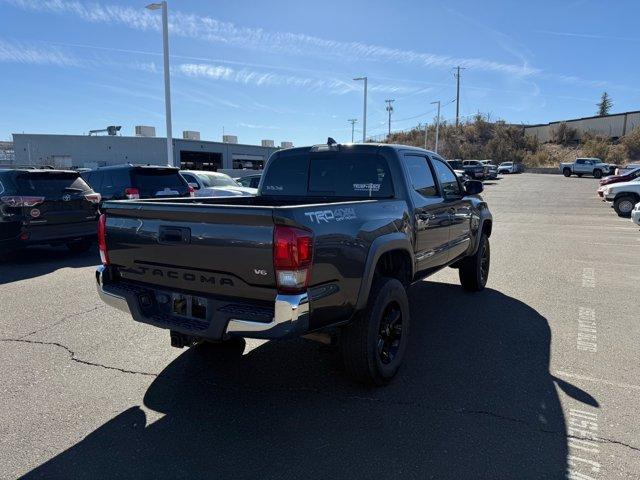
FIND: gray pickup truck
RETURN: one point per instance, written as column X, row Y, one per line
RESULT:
column 326, row 250
column 585, row 166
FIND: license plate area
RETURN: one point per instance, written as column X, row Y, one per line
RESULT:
column 189, row 306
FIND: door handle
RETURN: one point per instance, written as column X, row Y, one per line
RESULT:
column 425, row 217
column 174, row 235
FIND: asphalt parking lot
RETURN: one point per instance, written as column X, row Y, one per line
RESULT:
column 536, row 377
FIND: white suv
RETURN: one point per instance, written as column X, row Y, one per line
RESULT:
column 623, row 195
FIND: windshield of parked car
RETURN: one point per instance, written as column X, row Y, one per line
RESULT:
column 217, row 180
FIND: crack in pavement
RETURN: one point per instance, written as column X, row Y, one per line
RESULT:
column 62, row 320
column 460, row 411
column 74, row 358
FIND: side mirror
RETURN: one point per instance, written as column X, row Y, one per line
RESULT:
column 473, row 187
column 194, row 185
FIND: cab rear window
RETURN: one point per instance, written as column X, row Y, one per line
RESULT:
column 329, row 175
column 49, row 184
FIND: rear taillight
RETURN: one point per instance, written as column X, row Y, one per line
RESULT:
column 192, row 191
column 22, row 201
column 132, row 193
column 102, row 239
column 93, row 197
column 292, row 258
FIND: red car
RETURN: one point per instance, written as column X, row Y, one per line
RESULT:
column 627, row 177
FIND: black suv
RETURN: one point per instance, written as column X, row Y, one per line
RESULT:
column 46, row 207
column 121, row 182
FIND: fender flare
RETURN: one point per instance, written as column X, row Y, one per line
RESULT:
column 381, row 245
column 485, row 216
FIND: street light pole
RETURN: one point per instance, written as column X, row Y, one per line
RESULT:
column 437, row 124
column 364, row 118
column 353, row 126
column 167, row 80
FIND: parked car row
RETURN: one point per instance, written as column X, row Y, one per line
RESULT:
column 46, row 206
column 623, row 192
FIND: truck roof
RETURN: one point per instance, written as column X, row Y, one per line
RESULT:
column 351, row 147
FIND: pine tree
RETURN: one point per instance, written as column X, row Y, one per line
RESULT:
column 605, row 104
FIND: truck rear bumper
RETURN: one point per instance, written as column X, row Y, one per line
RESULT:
column 289, row 317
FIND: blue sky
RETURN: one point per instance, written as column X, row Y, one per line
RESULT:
column 283, row 70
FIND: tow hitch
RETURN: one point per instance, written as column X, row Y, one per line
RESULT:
column 180, row 340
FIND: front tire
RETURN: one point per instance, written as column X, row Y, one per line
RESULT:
column 373, row 346
column 566, row 172
column 624, row 205
column 597, row 173
column 474, row 270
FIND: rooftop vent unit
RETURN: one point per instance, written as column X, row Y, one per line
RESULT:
column 267, row 143
column 229, row 138
column 145, row 131
column 286, row 144
column 190, row 135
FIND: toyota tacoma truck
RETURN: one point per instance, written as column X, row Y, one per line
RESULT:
column 326, row 250
column 585, row 166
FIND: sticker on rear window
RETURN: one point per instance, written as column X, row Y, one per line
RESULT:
column 275, row 188
column 366, row 187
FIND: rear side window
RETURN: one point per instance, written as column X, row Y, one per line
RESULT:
column 332, row 174
column 420, row 175
column 153, row 181
column 50, row 184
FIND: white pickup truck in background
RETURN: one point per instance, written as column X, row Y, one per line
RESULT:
column 585, row 166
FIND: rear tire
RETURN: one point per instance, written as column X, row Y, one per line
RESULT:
column 80, row 246
column 474, row 270
column 597, row 173
column 624, row 205
column 373, row 346
column 566, row 172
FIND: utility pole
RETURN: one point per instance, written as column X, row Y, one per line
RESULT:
column 390, row 110
column 457, row 75
column 353, row 126
column 364, row 117
column 437, row 125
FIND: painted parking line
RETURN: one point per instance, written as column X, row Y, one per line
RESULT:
column 584, row 451
column 588, row 277
column 587, row 340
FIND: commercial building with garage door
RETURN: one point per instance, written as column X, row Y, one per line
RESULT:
column 89, row 151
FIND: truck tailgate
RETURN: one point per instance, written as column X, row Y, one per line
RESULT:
column 207, row 249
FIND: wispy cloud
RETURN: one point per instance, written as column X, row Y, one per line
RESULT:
column 210, row 29
column 34, row 54
column 594, row 36
column 259, row 127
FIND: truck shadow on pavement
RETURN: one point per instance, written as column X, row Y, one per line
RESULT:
column 475, row 399
column 37, row 261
